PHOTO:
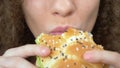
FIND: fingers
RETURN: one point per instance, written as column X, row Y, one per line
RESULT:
column 106, row 57
column 14, row 62
column 28, row 50
column 14, row 58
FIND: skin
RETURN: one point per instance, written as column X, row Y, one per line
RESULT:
column 45, row 16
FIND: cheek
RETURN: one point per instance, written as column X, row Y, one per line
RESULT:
column 33, row 10
column 87, row 8
column 87, row 12
column 34, row 6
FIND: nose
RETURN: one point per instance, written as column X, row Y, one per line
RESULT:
column 63, row 7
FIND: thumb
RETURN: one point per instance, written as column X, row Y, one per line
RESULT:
column 106, row 57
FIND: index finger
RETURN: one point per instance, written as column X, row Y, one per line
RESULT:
column 28, row 50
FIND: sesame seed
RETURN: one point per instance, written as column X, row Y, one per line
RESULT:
column 49, row 46
column 63, row 59
column 74, row 63
column 83, row 46
column 50, row 57
column 57, row 49
column 80, row 38
column 54, row 48
column 46, row 43
column 71, row 39
column 56, row 58
column 64, row 45
column 68, row 66
column 59, row 37
column 53, row 42
column 42, row 40
column 66, row 57
column 49, row 40
column 76, row 38
column 77, row 49
column 51, row 49
column 62, row 54
column 79, row 42
column 93, row 46
column 80, row 32
column 56, row 42
column 60, row 51
column 42, row 60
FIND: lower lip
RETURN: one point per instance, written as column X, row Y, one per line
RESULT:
column 59, row 30
column 56, row 33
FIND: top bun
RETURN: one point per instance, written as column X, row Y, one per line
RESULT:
column 67, row 50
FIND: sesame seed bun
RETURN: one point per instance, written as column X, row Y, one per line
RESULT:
column 67, row 50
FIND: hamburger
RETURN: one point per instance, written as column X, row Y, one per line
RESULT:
column 67, row 49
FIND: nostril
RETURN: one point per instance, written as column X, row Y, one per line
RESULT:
column 63, row 8
column 62, row 13
column 70, row 13
column 56, row 13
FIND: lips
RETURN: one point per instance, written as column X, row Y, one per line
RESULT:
column 59, row 30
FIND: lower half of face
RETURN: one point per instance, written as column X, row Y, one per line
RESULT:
column 55, row 16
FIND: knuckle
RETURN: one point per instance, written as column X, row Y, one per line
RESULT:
column 17, row 62
column 20, row 62
column 18, row 59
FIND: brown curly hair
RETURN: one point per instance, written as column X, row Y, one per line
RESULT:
column 14, row 31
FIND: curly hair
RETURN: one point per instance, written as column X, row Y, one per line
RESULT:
column 107, row 27
column 14, row 31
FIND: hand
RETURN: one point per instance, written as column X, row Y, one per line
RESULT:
column 15, row 57
column 107, row 57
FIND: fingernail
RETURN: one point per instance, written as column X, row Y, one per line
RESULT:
column 87, row 56
column 44, row 51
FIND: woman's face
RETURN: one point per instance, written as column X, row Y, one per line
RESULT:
column 54, row 16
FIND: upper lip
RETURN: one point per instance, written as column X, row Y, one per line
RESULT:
column 59, row 30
